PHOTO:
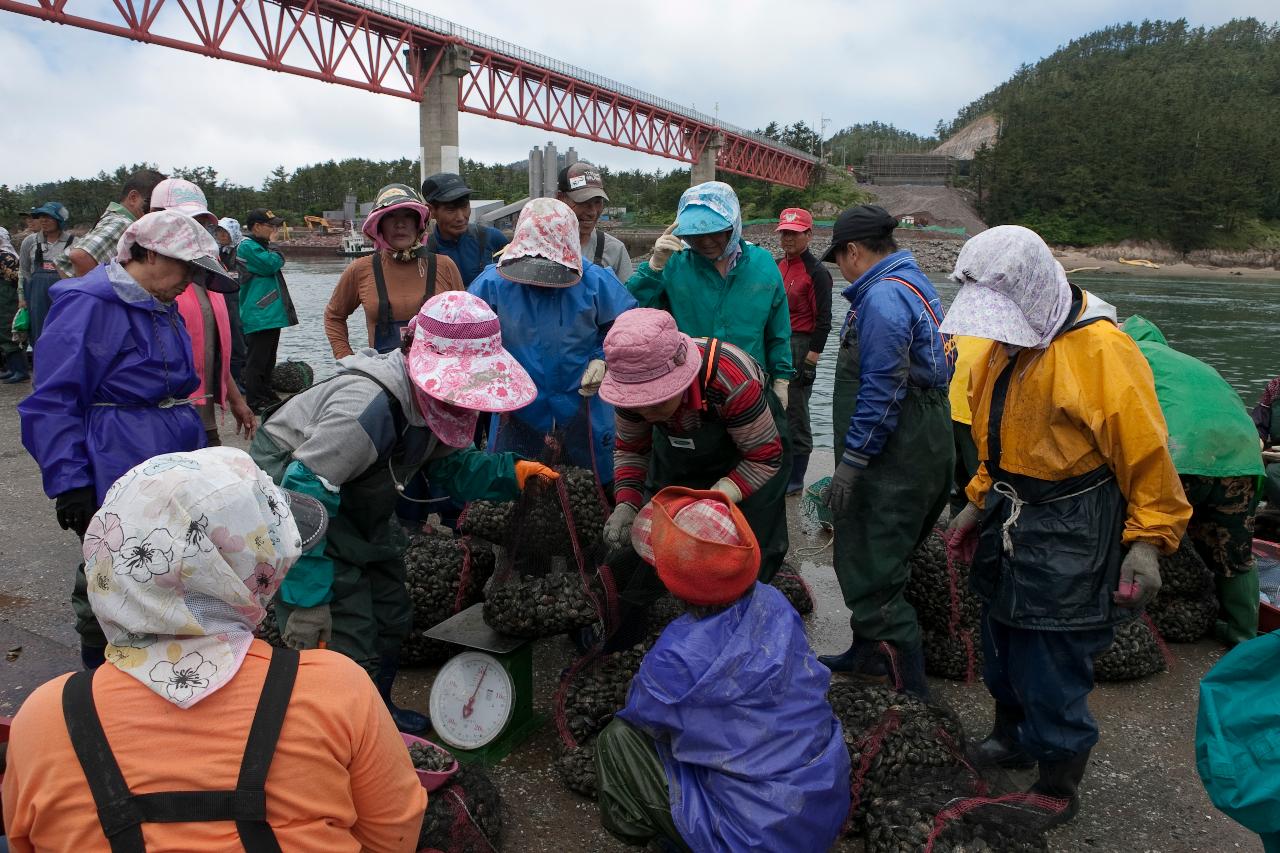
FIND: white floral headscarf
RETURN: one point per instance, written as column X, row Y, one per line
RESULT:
column 181, row 561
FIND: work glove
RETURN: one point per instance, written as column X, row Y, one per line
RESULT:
column 525, row 470
column 1139, row 576
column 617, row 530
column 729, row 489
column 961, row 537
column 74, row 509
column 592, row 377
column 840, row 492
column 780, row 391
column 308, row 627
column 805, row 375
column 664, row 247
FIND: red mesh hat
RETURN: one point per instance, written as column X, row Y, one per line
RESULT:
column 700, row 543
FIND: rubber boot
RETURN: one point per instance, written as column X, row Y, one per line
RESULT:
column 799, row 464
column 1000, row 748
column 1238, row 608
column 909, row 675
column 16, row 365
column 863, row 659
column 1061, row 780
column 406, row 721
column 92, row 656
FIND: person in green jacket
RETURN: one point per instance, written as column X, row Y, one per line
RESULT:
column 265, row 306
column 721, row 286
column 353, row 441
column 1214, row 446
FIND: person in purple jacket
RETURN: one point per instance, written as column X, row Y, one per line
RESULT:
column 114, row 374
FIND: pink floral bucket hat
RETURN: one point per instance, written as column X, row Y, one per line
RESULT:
column 457, row 357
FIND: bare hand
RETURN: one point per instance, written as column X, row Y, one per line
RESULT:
column 246, row 422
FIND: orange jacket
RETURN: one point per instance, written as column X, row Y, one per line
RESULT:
column 340, row 780
column 1087, row 400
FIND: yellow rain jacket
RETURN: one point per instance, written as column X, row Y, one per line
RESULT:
column 968, row 351
column 1088, row 399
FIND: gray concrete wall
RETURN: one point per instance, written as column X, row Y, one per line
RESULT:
column 438, row 112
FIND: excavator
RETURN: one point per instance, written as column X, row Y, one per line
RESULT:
column 324, row 225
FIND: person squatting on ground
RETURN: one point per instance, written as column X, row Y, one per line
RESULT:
column 556, row 308
column 808, row 287
column 392, row 283
column 184, row 556
column 114, row 375
column 265, row 305
column 674, row 768
column 893, row 442
column 354, row 440
column 721, row 286
column 13, row 346
column 99, row 245
column 37, row 262
column 581, row 187
column 470, row 247
column 208, row 322
column 1214, row 446
column 694, row 413
column 1075, row 497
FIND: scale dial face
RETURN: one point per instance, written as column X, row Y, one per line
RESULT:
column 472, row 700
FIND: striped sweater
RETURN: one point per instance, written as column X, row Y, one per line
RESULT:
column 734, row 397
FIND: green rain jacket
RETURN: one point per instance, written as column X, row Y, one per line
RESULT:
column 264, row 298
column 747, row 308
column 1210, row 431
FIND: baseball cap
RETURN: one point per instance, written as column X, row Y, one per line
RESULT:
column 864, row 222
column 180, row 195
column 53, row 210
column 176, row 235
column 795, row 219
column 581, row 182
column 444, row 187
column 262, row 214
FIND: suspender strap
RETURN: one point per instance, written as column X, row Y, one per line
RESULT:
column 119, row 815
column 710, row 365
column 384, row 301
column 122, row 813
column 919, row 295
column 430, row 289
column 481, row 235
column 250, row 794
column 599, row 253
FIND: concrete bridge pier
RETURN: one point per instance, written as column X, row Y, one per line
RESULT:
column 438, row 110
column 704, row 169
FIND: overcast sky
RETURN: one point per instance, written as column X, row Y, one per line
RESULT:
column 76, row 102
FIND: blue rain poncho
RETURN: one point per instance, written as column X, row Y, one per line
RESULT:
column 737, row 706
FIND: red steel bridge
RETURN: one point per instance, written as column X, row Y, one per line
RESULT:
column 392, row 49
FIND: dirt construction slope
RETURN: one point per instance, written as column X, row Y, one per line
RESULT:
column 944, row 206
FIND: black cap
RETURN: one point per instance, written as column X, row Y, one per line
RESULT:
column 262, row 214
column 443, row 188
column 864, row 222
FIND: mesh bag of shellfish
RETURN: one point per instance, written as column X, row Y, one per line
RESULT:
column 445, row 575
column 793, row 586
column 1187, row 606
column 268, row 629
column 949, row 612
column 1136, row 652
column 464, row 815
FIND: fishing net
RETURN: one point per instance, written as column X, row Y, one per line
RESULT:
column 445, row 576
column 948, row 611
column 1136, row 652
column 292, row 377
column 464, row 815
column 812, row 505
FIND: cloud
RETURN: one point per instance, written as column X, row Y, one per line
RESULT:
column 97, row 101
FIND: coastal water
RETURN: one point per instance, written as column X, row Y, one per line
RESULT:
column 1232, row 325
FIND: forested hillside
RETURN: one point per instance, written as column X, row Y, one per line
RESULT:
column 1155, row 131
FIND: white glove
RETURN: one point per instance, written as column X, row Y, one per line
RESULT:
column 780, row 390
column 617, row 530
column 1141, row 569
column 729, row 488
column 591, row 378
column 664, row 247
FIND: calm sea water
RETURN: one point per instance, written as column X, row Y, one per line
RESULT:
column 1232, row 325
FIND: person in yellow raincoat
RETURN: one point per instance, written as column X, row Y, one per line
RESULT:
column 968, row 350
column 1075, row 497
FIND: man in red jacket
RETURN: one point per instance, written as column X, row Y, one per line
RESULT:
column 808, row 286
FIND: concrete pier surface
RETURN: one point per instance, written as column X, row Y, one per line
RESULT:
column 1141, row 792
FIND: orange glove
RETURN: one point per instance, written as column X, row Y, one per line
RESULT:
column 525, row 470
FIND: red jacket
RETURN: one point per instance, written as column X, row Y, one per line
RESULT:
column 808, row 286
column 189, row 308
